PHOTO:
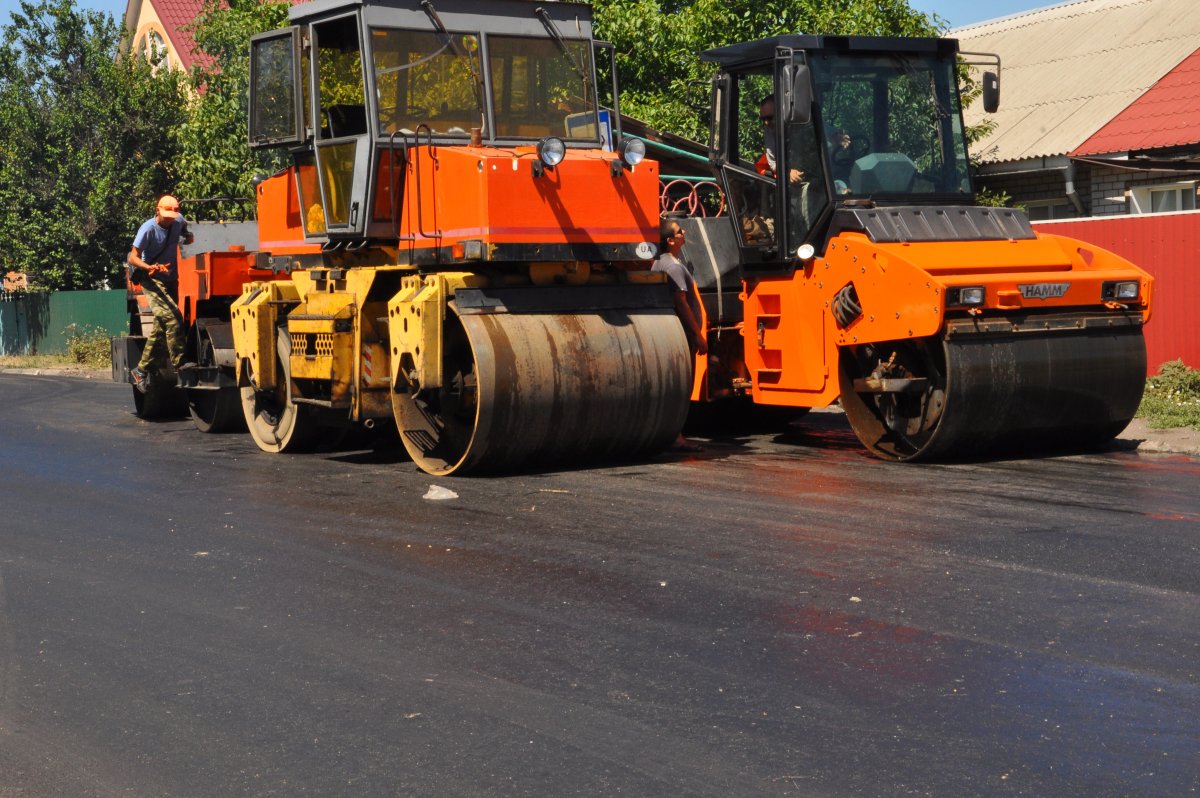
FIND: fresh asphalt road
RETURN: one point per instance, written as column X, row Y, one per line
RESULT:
column 181, row 615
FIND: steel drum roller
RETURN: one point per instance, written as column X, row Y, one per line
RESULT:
column 538, row 388
column 978, row 393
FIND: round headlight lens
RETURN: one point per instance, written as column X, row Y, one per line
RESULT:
column 632, row 151
column 551, row 151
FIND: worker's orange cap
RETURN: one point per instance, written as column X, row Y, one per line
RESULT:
column 168, row 207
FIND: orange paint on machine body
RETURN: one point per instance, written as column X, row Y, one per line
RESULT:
column 502, row 199
column 793, row 340
column 280, row 215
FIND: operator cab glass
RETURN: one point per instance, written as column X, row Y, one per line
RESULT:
column 893, row 127
column 883, row 128
column 426, row 78
column 359, row 91
column 776, row 161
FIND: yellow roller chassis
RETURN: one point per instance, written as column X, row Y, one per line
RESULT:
column 476, row 378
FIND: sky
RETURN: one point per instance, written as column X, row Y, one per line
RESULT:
column 955, row 12
column 965, row 12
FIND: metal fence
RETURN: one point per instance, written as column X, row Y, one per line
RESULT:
column 1168, row 246
column 41, row 324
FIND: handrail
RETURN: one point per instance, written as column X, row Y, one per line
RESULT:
column 393, row 190
column 417, row 175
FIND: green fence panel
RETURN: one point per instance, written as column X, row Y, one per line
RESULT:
column 42, row 324
column 24, row 318
column 82, row 312
column 11, row 331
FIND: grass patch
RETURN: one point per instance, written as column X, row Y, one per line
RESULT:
column 1172, row 397
column 87, row 347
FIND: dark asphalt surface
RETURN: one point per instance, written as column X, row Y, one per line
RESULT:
column 181, row 615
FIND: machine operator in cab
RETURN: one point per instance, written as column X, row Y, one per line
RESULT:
column 766, row 163
column 153, row 264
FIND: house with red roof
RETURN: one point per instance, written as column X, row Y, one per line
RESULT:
column 1098, row 136
column 1100, row 107
column 164, row 27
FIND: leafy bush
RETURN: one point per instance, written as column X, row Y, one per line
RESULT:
column 89, row 346
column 1172, row 397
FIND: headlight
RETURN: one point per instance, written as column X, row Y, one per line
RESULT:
column 1125, row 289
column 551, row 151
column 632, row 150
column 967, row 296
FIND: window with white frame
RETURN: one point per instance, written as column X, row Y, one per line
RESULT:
column 153, row 47
column 1165, row 198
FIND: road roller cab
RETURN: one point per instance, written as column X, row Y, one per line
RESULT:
column 868, row 274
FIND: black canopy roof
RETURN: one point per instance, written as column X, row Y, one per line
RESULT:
column 764, row 49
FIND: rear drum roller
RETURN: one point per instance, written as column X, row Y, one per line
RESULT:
column 276, row 423
column 162, row 400
column 974, row 394
column 168, row 402
column 214, row 409
column 525, row 390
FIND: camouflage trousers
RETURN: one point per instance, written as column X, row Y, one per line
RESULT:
column 166, row 336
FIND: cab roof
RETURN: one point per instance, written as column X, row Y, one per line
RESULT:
column 764, row 49
column 459, row 14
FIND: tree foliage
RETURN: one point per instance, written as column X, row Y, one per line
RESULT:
column 86, row 144
column 88, row 140
column 658, row 44
column 216, row 159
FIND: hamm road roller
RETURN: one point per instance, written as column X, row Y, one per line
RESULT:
column 849, row 261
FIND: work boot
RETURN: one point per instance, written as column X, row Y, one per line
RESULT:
column 139, row 378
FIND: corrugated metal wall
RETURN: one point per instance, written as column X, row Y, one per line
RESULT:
column 1168, row 246
column 34, row 323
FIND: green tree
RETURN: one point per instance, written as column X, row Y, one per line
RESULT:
column 217, row 160
column 86, row 143
column 658, row 44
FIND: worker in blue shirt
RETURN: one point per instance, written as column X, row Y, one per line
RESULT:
column 153, row 264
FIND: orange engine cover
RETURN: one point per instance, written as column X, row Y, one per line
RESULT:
column 495, row 196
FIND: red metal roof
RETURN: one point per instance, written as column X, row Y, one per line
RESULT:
column 1167, row 115
column 177, row 17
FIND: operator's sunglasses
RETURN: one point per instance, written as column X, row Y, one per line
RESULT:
column 767, row 118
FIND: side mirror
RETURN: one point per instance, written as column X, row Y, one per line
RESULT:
column 991, row 92
column 797, row 95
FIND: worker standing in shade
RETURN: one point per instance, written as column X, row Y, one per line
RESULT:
column 687, row 301
column 153, row 264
